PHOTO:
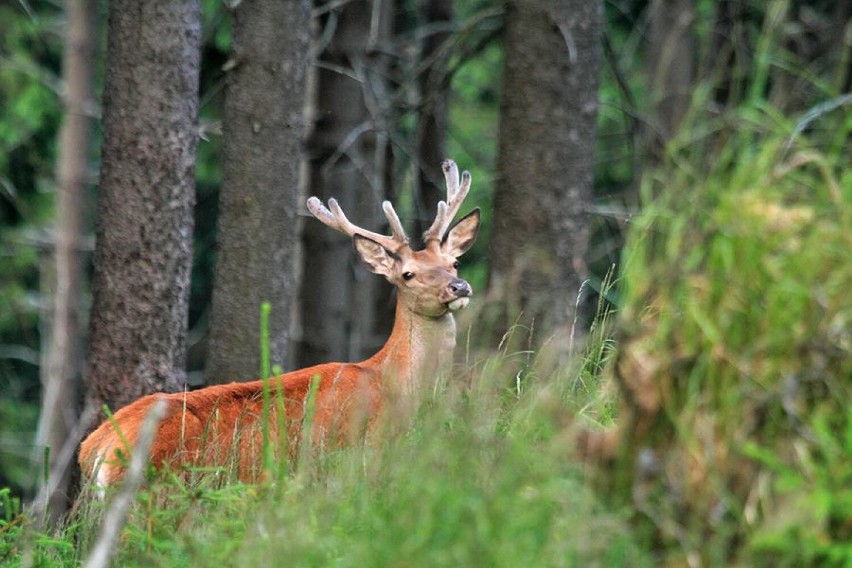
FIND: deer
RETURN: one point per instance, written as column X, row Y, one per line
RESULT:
column 220, row 425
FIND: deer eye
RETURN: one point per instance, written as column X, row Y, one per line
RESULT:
column 456, row 264
column 407, row 275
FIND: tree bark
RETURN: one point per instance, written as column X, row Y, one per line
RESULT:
column 63, row 365
column 258, row 226
column 545, row 162
column 346, row 312
column 432, row 115
column 143, row 251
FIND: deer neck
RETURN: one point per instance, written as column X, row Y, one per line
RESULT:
column 418, row 350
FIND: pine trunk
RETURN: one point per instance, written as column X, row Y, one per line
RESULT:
column 545, row 164
column 258, row 227
column 143, row 251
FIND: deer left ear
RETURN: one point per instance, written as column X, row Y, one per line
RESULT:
column 461, row 236
column 374, row 255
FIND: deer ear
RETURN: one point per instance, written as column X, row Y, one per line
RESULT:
column 379, row 259
column 461, row 236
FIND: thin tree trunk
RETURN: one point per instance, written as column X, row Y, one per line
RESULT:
column 61, row 372
column 143, row 251
column 348, row 161
column 258, row 227
column 432, row 114
column 545, row 165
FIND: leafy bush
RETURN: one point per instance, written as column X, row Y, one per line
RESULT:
column 737, row 350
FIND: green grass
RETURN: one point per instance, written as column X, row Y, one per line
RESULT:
column 463, row 488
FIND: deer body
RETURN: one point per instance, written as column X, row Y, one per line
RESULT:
column 222, row 425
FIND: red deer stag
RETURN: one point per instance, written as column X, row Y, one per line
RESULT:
column 221, row 425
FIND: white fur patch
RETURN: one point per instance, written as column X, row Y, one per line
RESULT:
column 458, row 304
column 100, row 472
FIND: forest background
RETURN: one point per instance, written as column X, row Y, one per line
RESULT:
column 679, row 165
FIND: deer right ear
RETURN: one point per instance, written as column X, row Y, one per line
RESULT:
column 462, row 235
column 374, row 255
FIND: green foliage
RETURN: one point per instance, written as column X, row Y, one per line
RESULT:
column 29, row 119
column 813, row 498
column 16, row 421
column 173, row 524
column 21, row 546
column 11, row 521
column 735, row 290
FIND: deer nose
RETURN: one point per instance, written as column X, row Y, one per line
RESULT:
column 460, row 288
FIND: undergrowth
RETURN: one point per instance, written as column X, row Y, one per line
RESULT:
column 735, row 342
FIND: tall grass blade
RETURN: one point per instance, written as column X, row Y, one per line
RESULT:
column 265, row 372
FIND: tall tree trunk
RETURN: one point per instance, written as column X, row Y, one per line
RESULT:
column 432, row 113
column 545, row 161
column 340, row 302
column 258, row 226
column 143, row 250
column 61, row 373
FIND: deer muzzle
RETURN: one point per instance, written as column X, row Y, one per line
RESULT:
column 460, row 291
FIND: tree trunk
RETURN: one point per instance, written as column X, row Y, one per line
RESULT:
column 346, row 312
column 61, row 372
column 432, row 114
column 545, row 163
column 143, row 251
column 258, row 226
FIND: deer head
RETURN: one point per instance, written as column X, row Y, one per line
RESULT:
column 427, row 279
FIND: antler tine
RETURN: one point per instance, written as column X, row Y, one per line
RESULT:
column 451, row 175
column 455, row 196
column 395, row 224
column 334, row 217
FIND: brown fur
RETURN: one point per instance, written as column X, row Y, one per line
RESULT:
column 201, row 428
